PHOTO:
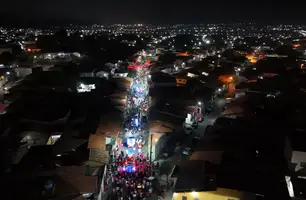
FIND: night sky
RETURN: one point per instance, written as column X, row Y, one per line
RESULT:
column 155, row 11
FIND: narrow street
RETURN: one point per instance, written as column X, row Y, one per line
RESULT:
column 210, row 119
column 130, row 170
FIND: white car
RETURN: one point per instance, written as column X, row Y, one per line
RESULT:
column 187, row 151
column 177, row 149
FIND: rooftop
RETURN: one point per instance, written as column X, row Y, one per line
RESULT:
column 193, row 175
column 177, row 93
column 71, row 180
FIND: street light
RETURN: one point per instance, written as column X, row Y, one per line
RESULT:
column 199, row 103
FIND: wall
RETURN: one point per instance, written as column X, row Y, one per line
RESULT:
column 23, row 72
column 219, row 194
column 101, row 195
column 299, row 159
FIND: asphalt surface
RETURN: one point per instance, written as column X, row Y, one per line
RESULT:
column 186, row 140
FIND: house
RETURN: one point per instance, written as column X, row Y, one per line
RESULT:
column 160, row 79
column 197, row 180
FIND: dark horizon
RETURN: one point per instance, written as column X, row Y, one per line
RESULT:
column 46, row 23
column 149, row 12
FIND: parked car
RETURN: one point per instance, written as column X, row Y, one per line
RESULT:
column 177, row 148
column 189, row 130
column 165, row 154
column 187, row 151
column 178, row 143
column 209, row 110
column 200, row 118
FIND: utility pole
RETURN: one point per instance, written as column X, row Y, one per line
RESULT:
column 151, row 144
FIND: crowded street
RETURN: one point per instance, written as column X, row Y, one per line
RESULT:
column 130, row 170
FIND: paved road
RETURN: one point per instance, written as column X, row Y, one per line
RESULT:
column 187, row 139
column 210, row 119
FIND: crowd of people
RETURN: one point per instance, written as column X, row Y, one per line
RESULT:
column 130, row 177
column 131, row 173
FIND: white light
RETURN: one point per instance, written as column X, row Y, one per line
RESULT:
column 207, row 41
column 289, row 186
column 219, row 89
column 8, row 73
column 193, row 193
column 203, row 38
column 199, row 103
column 204, row 73
column 156, row 140
column 150, row 76
column 58, row 155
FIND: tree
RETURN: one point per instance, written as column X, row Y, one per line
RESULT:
column 6, row 58
column 287, row 50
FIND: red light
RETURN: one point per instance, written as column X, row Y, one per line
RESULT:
column 131, row 67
